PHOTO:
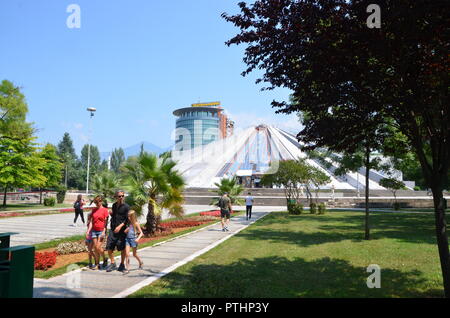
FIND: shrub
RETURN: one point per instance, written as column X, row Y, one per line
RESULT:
column 295, row 208
column 416, row 188
column 396, row 206
column 60, row 196
column 71, row 248
column 313, row 208
column 50, row 201
column 45, row 260
column 322, row 208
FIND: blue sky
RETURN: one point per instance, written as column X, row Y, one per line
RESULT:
column 135, row 61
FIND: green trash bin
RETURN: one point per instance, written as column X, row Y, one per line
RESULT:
column 16, row 269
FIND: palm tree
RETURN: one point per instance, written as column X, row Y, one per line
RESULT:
column 153, row 181
column 232, row 187
column 106, row 184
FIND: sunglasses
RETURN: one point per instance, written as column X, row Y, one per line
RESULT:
column 120, row 196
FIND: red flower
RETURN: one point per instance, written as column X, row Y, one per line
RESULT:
column 43, row 261
column 181, row 223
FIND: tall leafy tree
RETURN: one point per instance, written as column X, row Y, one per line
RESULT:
column 13, row 110
column 345, row 75
column 20, row 165
column 103, row 166
column 291, row 175
column 117, row 159
column 66, row 152
column 51, row 169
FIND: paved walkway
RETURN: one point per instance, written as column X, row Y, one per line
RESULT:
column 43, row 228
column 158, row 261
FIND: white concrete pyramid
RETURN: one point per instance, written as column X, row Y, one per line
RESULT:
column 256, row 149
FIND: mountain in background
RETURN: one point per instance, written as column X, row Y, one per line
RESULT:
column 135, row 149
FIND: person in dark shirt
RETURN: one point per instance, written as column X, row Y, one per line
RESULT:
column 117, row 236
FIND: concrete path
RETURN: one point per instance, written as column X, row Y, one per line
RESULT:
column 158, row 261
column 43, row 228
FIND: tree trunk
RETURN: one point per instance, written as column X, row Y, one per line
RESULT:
column 40, row 195
column 367, row 228
column 441, row 236
column 150, row 226
column 4, row 196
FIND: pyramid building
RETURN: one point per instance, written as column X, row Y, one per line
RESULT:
column 248, row 154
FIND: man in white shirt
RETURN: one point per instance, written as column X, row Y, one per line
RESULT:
column 249, row 204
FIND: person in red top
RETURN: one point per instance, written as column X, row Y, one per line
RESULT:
column 97, row 227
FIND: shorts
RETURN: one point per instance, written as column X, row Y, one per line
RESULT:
column 131, row 242
column 115, row 240
column 225, row 213
column 96, row 234
column 89, row 238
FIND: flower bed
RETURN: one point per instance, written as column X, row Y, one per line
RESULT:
column 43, row 261
column 11, row 214
column 73, row 210
column 213, row 213
column 181, row 223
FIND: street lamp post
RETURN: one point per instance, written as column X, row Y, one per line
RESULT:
column 91, row 110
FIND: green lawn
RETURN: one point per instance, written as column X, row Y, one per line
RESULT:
column 314, row 256
column 31, row 206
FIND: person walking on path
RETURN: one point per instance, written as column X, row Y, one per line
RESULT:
column 78, row 206
column 132, row 240
column 248, row 206
column 225, row 210
column 97, row 227
column 117, row 236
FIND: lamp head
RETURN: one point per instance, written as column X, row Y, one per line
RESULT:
column 91, row 109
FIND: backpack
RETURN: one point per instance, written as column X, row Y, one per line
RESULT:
column 76, row 205
column 222, row 204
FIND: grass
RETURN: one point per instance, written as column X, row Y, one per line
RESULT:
column 62, row 270
column 31, row 206
column 314, row 256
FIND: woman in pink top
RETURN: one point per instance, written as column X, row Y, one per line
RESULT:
column 97, row 227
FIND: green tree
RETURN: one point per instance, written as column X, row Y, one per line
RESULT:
column 106, row 184
column 52, row 168
column 20, row 164
column 394, row 185
column 291, row 176
column 66, row 152
column 347, row 76
column 117, row 159
column 13, row 110
column 318, row 178
column 103, row 166
column 233, row 189
column 153, row 181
